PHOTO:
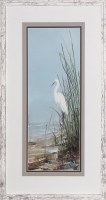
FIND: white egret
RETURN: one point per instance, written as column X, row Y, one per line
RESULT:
column 59, row 98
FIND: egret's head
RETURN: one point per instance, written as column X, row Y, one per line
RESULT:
column 56, row 81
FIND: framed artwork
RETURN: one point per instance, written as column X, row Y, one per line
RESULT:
column 53, row 62
column 52, row 100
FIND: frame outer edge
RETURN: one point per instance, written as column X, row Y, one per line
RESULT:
column 2, row 100
column 3, row 4
column 103, row 102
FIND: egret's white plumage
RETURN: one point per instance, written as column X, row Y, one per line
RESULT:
column 59, row 98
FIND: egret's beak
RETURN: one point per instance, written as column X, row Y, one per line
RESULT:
column 53, row 83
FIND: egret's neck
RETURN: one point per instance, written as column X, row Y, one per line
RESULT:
column 56, row 88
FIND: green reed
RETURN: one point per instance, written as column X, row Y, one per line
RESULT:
column 70, row 86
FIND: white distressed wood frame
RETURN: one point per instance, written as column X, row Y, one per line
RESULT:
column 3, row 4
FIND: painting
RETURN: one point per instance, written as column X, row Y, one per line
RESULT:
column 14, row 101
column 54, row 65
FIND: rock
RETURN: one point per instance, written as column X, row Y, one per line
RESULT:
column 70, row 165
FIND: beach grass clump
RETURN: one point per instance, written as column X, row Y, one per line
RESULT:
column 70, row 86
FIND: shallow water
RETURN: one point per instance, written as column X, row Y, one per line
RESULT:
column 38, row 129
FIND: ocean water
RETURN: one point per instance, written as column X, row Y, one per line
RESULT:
column 40, row 129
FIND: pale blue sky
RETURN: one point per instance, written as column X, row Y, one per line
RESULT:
column 44, row 45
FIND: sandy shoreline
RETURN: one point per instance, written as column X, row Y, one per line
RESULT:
column 44, row 154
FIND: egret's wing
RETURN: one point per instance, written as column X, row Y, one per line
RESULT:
column 62, row 102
